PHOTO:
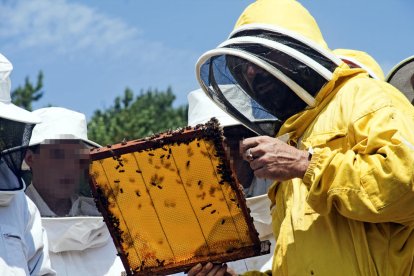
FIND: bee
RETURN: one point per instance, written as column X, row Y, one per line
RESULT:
column 160, row 263
column 206, row 206
column 124, row 141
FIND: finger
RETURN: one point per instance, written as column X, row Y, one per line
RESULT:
column 257, row 163
column 205, row 270
column 263, row 173
column 218, row 270
column 248, row 156
column 195, row 269
column 248, row 143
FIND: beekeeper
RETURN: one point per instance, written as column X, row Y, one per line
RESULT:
column 200, row 110
column 23, row 242
column 343, row 196
column 58, row 157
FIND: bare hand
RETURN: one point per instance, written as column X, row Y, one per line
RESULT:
column 211, row 270
column 273, row 159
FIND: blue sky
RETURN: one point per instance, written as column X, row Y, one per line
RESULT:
column 91, row 50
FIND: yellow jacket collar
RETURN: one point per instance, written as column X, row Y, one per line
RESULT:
column 298, row 123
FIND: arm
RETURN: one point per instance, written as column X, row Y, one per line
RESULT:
column 373, row 180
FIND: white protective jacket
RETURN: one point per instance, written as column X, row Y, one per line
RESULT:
column 78, row 245
column 260, row 211
column 81, row 246
column 23, row 242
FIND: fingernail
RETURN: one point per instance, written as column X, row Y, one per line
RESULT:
column 209, row 266
column 198, row 266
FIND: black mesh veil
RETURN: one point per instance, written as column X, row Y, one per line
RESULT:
column 402, row 77
column 264, row 74
column 14, row 141
column 233, row 99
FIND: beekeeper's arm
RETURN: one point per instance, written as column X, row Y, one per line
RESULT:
column 373, row 181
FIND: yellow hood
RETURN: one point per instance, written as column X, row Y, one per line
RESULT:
column 292, row 16
column 287, row 14
column 291, row 48
column 362, row 60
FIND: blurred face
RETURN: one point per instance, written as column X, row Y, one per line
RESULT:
column 234, row 134
column 58, row 168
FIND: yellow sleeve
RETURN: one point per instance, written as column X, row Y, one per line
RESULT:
column 373, row 180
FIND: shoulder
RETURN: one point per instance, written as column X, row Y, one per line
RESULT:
column 363, row 96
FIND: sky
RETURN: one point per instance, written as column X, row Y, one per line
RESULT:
column 91, row 50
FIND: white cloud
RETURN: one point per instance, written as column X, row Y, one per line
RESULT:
column 63, row 28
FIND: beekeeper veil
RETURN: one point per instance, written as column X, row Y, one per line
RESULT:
column 271, row 66
column 402, row 77
column 16, row 125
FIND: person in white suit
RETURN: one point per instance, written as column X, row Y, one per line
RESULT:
column 23, row 242
column 80, row 243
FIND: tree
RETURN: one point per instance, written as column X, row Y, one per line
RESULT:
column 29, row 93
column 132, row 118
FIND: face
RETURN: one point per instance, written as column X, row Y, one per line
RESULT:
column 270, row 92
column 58, row 168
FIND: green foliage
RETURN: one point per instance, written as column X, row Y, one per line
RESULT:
column 131, row 118
column 29, row 93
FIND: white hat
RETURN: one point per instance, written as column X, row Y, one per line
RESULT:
column 7, row 109
column 201, row 109
column 60, row 123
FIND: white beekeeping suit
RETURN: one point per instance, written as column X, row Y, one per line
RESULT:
column 200, row 110
column 80, row 243
column 23, row 242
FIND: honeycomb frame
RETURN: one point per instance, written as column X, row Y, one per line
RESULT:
column 216, row 200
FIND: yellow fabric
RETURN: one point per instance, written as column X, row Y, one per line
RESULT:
column 364, row 58
column 361, row 171
column 353, row 213
column 287, row 14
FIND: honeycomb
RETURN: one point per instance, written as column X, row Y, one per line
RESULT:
column 171, row 201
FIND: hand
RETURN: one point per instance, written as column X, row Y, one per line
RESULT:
column 273, row 159
column 211, row 270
